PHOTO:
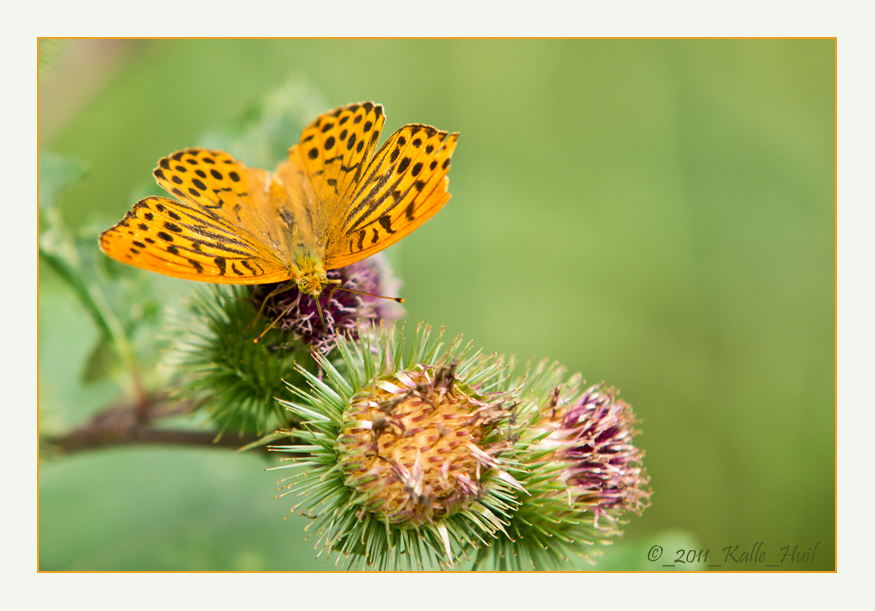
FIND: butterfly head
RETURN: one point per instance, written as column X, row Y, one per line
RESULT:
column 312, row 284
column 311, row 276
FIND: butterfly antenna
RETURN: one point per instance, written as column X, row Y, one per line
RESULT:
column 395, row 299
column 275, row 320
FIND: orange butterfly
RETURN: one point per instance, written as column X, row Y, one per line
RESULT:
column 331, row 203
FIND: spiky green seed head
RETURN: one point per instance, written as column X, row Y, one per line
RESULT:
column 407, row 450
column 222, row 372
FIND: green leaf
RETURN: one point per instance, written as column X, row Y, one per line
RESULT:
column 71, row 274
column 72, row 256
column 56, row 173
column 100, row 362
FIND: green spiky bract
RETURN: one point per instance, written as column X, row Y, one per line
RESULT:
column 547, row 529
column 225, row 372
column 340, row 520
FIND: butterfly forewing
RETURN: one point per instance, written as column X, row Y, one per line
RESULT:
column 224, row 229
column 335, row 150
column 403, row 186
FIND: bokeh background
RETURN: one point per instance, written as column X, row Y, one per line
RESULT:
column 656, row 214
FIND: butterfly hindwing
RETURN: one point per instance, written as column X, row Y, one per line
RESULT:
column 223, row 229
column 403, row 186
column 223, row 189
column 163, row 236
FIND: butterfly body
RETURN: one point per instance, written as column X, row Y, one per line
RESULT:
column 332, row 202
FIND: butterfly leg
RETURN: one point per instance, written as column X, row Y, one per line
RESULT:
column 334, row 288
column 280, row 289
column 275, row 320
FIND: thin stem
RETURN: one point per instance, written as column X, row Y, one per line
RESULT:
column 91, row 296
column 125, row 425
column 82, row 440
column 123, row 346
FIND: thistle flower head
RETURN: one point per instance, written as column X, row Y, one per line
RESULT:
column 590, row 435
column 343, row 312
column 583, row 472
column 415, row 447
column 409, row 454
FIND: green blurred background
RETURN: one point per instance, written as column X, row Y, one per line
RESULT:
column 657, row 214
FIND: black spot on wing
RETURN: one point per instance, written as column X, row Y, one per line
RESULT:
column 386, row 223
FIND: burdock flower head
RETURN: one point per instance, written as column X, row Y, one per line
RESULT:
column 343, row 312
column 591, row 436
column 235, row 380
column 584, row 472
column 409, row 456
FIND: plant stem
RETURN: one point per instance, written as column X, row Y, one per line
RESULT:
column 82, row 440
column 132, row 424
